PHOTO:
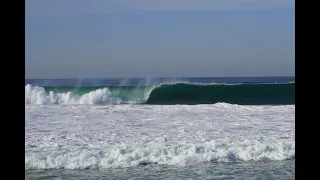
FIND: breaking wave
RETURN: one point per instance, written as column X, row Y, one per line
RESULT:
column 166, row 94
column 184, row 154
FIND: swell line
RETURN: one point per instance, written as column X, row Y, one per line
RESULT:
column 164, row 94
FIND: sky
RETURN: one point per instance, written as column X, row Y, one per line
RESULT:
column 159, row 38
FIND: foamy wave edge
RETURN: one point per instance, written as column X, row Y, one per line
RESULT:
column 96, row 158
column 38, row 95
column 103, row 96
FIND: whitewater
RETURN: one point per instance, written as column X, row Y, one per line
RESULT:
column 38, row 95
column 164, row 94
column 100, row 134
column 74, row 137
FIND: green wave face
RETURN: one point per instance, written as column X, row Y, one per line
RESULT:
column 242, row 94
column 233, row 94
column 128, row 94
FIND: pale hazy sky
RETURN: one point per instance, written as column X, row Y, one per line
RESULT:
column 140, row 38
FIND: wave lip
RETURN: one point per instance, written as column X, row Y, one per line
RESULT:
column 168, row 94
column 158, row 154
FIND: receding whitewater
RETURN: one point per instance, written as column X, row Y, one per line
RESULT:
column 141, row 141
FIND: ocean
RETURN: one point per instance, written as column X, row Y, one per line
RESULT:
column 160, row 128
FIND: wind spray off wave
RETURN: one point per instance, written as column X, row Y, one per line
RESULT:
column 38, row 95
column 165, row 94
column 199, row 124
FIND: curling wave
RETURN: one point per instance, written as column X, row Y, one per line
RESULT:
column 165, row 94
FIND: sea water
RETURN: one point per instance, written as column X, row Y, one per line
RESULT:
column 74, row 132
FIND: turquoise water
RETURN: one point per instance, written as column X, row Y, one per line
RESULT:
column 242, row 91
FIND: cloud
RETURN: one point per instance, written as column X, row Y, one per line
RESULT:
column 86, row 7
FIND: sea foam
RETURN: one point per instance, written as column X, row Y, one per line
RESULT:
column 81, row 136
column 183, row 154
column 38, row 95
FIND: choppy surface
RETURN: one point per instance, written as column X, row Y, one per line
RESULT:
column 283, row 170
column 77, row 131
column 79, row 137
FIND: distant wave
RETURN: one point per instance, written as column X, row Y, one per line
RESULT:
column 165, row 94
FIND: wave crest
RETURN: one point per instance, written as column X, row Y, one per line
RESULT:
column 38, row 95
column 169, row 93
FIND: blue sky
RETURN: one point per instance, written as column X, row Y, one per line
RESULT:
column 140, row 38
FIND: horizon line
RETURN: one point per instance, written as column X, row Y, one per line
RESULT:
column 162, row 77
